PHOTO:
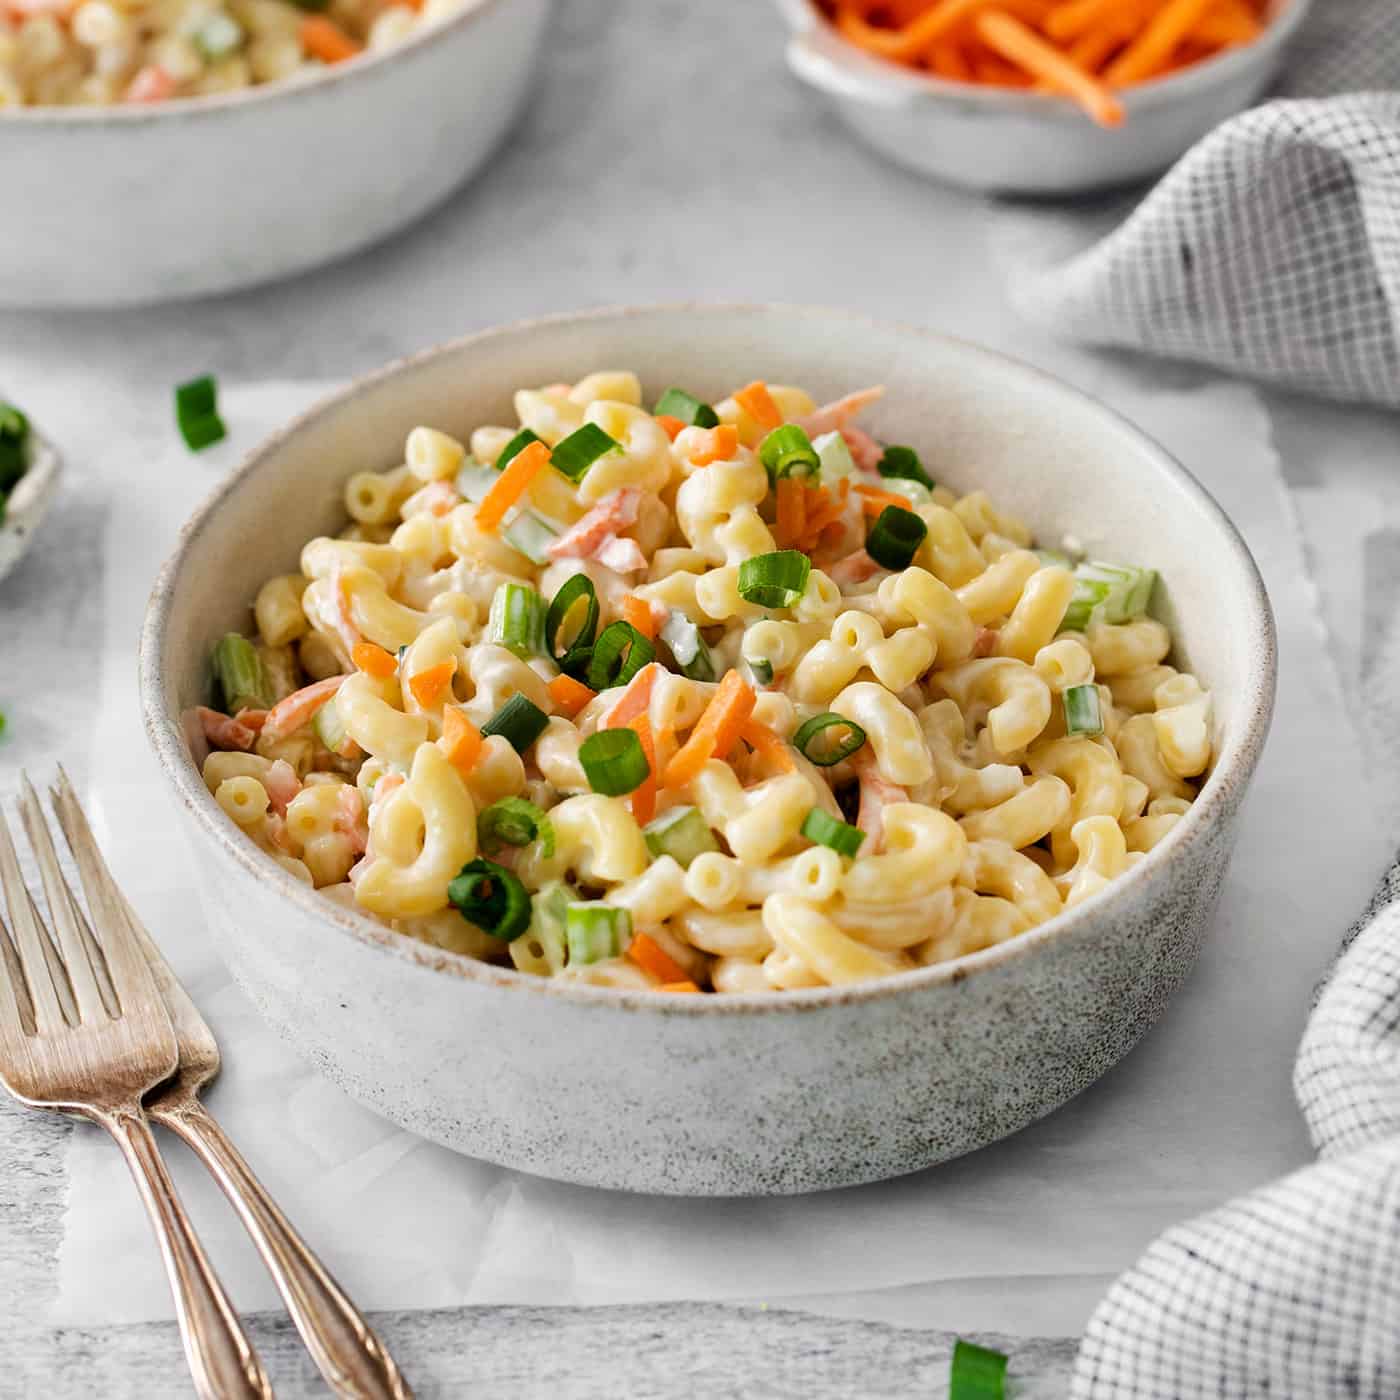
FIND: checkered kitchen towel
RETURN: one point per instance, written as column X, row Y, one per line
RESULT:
column 1292, row 1292
column 1273, row 248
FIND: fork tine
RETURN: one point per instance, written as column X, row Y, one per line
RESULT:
column 16, row 1012
column 29, row 940
column 60, row 899
column 131, row 974
column 58, row 974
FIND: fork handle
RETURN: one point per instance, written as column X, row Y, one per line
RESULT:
column 221, row 1358
column 351, row 1358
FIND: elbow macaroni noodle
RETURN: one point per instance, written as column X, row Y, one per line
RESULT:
column 980, row 810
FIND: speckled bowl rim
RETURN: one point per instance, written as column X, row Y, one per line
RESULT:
column 1233, row 768
column 260, row 94
column 805, row 15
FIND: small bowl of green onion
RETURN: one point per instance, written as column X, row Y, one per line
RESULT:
column 29, row 472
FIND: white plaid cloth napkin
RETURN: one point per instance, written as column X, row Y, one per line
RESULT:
column 1292, row 1292
column 1271, row 249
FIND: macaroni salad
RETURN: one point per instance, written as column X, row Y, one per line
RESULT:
column 85, row 52
column 722, row 697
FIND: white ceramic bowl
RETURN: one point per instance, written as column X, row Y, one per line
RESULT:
column 105, row 206
column 1022, row 142
column 30, row 500
column 726, row 1095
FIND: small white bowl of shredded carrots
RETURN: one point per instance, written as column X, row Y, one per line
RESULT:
column 1038, row 96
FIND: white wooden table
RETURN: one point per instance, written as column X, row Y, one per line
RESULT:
column 665, row 155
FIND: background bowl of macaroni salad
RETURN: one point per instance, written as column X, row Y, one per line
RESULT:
column 136, row 201
column 727, row 1094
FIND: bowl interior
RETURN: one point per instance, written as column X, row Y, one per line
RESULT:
column 1043, row 451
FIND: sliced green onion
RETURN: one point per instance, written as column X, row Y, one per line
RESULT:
column 531, row 534
column 329, row 728
column 613, row 761
column 512, row 821
column 904, row 462
column 912, row 491
column 219, row 36
column 676, row 403
column 776, row 580
column 14, row 446
column 474, row 480
column 618, row 654
column 688, row 647
column 596, row 930
column 815, row 749
column 519, row 721
column 820, row 826
column 581, row 449
column 2, row 723
column 762, row 670
column 241, row 675
column 491, row 897
column 977, row 1373
column 578, row 651
column 895, row 538
column 834, row 454
column 517, row 620
column 788, row 451
column 1108, row 593
column 682, row 833
column 515, row 447
column 197, row 412
column 1082, row 712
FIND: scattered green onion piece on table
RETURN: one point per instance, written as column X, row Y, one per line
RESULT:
column 519, row 721
column 977, row 1373
column 531, row 534
column 580, row 586
column 491, row 897
column 676, row 403
column 474, row 479
column 329, row 728
column 776, row 580
column 618, row 654
column 515, row 447
column 895, row 538
column 613, row 761
column 682, row 833
column 581, row 449
column 219, row 36
column 596, row 931
column 1082, row 711
column 516, row 621
column 787, row 451
column 820, row 826
column 688, row 647
column 241, row 675
column 14, row 446
column 2, row 723
column 815, row 749
column 834, row 454
column 904, row 462
column 197, row 412
column 1108, row 593
column 512, row 821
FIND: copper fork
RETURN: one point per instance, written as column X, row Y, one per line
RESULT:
column 351, row 1358
column 83, row 1031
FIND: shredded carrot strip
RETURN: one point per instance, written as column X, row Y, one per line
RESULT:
column 428, row 684
column 672, row 426
column 323, row 39
column 461, row 740
column 651, row 957
column 373, row 660
column 299, row 708
column 1074, row 18
column 1151, row 51
column 523, row 468
column 758, row 403
column 638, row 612
column 771, row 745
column 569, row 695
column 686, row 986
column 873, row 500
column 644, row 794
column 719, row 445
column 635, row 698
column 716, row 732
column 792, row 512
column 1025, row 48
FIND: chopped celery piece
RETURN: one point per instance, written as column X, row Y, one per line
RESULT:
column 330, row 729
column 834, row 455
column 530, row 533
column 241, row 676
column 1107, row 593
column 219, row 36
column 914, row 491
column 688, row 647
column 595, row 930
column 543, row 949
column 682, row 833
column 1053, row 558
column 1082, row 712
column 517, row 620
column 474, row 480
